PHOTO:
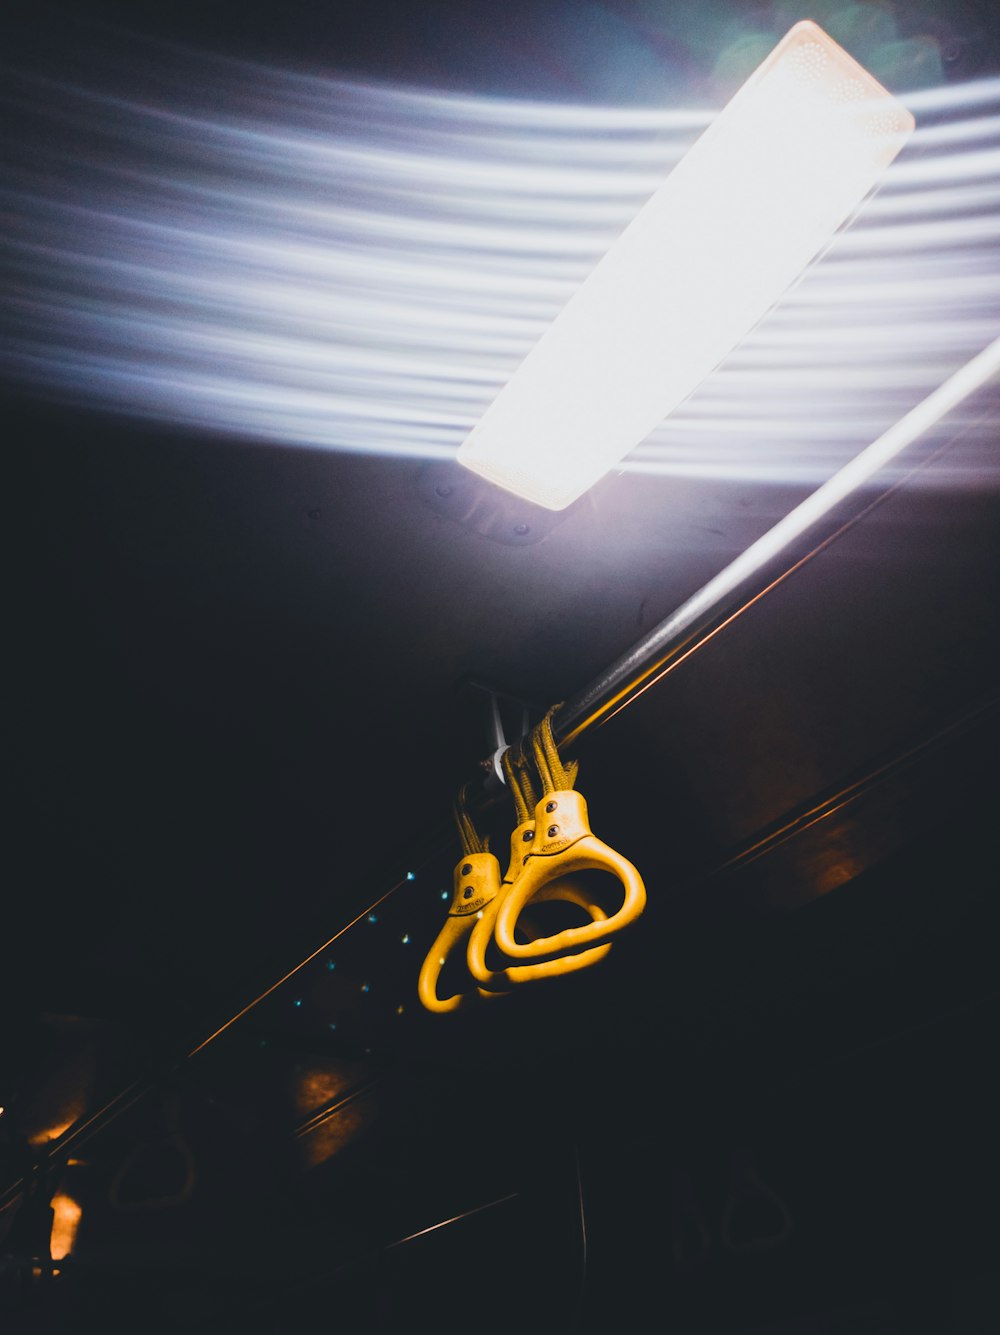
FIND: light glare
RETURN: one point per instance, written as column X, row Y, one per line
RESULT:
column 215, row 269
column 736, row 222
column 66, row 1216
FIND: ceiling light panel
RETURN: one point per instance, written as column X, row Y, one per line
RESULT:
column 758, row 196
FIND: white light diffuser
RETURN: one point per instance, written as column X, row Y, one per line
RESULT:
column 757, row 197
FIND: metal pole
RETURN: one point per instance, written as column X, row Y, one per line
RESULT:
column 833, row 508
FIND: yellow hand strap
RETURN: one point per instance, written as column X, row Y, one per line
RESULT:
column 483, row 927
column 563, row 844
column 477, row 884
column 551, row 842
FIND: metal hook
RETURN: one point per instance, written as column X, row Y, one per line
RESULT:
column 491, row 764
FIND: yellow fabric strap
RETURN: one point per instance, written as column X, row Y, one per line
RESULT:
column 511, row 763
column 517, row 770
column 526, row 773
column 469, row 836
column 556, row 776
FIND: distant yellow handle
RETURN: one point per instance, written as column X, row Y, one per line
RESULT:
column 555, row 889
column 563, row 845
column 477, row 884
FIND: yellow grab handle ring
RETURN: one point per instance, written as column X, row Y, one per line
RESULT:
column 454, row 931
column 477, row 884
column 564, row 845
column 482, row 930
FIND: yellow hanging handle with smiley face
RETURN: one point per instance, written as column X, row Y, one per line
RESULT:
column 483, row 929
column 468, row 926
column 477, row 884
column 563, row 845
column 551, row 844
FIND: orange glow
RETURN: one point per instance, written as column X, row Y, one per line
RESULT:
column 54, row 1132
column 65, row 1223
column 319, row 1085
column 327, row 1139
column 329, row 1086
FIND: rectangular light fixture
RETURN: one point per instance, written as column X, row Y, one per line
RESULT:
column 757, row 197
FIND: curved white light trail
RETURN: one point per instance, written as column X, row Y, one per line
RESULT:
column 337, row 265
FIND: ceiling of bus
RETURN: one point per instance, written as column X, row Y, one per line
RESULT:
column 245, row 646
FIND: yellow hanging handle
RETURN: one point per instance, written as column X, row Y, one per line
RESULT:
column 483, row 927
column 563, row 844
column 477, row 884
column 551, row 842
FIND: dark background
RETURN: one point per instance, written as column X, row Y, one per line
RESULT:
column 239, row 707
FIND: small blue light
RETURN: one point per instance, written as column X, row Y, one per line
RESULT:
column 411, row 875
column 365, row 987
column 333, row 1024
column 331, row 965
column 372, row 917
column 406, row 938
column 298, row 1001
column 444, row 894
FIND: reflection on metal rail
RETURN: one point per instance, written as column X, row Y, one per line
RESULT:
column 802, row 534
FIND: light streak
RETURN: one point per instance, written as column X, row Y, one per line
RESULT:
column 344, row 266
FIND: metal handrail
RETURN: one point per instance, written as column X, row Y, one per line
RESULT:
column 802, row 534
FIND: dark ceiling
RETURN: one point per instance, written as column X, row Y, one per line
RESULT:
column 244, row 670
